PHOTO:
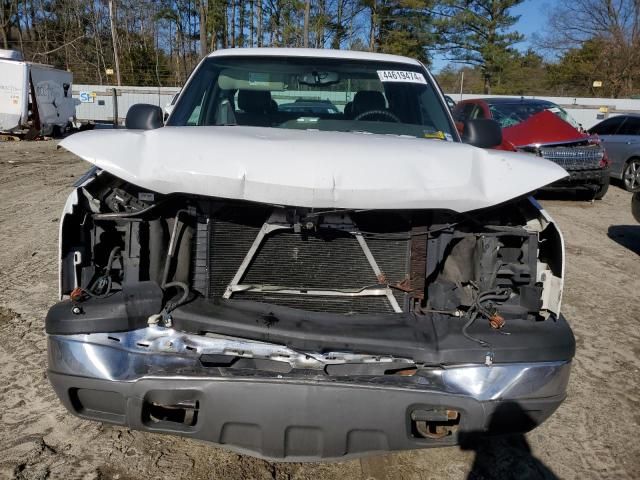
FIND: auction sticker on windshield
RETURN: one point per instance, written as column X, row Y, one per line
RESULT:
column 401, row 76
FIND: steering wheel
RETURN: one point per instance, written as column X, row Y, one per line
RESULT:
column 382, row 113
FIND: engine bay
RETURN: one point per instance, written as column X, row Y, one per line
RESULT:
column 156, row 259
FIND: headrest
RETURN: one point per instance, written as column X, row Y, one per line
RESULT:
column 348, row 109
column 367, row 100
column 255, row 101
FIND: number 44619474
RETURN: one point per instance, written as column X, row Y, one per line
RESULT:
column 400, row 76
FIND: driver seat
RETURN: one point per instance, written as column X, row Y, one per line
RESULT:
column 256, row 108
column 367, row 100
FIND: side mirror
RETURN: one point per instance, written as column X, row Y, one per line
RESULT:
column 143, row 116
column 482, row 132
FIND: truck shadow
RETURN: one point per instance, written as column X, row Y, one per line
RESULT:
column 505, row 456
column 626, row 235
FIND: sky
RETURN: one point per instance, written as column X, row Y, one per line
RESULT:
column 533, row 17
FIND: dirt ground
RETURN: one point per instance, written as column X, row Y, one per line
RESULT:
column 595, row 434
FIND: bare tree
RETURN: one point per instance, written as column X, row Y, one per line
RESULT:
column 7, row 12
column 611, row 26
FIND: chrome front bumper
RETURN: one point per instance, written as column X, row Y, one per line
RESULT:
column 302, row 414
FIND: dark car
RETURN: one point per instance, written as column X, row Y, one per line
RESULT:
column 621, row 138
column 547, row 130
column 317, row 107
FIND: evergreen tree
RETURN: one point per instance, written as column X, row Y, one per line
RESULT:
column 476, row 32
column 405, row 28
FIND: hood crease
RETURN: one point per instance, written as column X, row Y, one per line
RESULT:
column 314, row 169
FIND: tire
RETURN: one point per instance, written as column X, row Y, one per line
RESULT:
column 631, row 175
column 602, row 189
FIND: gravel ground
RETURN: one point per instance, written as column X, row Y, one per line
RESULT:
column 594, row 434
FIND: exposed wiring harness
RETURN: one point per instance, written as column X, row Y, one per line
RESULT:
column 169, row 307
column 183, row 298
column 478, row 308
column 101, row 287
column 125, row 215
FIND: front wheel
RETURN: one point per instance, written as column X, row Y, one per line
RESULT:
column 601, row 190
column 631, row 175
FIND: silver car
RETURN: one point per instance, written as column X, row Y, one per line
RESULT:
column 621, row 138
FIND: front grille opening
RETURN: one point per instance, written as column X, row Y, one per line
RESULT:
column 101, row 404
column 434, row 424
column 322, row 259
column 329, row 259
column 182, row 413
column 341, row 305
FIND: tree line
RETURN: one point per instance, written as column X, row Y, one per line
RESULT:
column 159, row 42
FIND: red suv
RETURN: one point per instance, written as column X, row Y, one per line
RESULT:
column 547, row 130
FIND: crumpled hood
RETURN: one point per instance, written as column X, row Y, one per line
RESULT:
column 542, row 128
column 313, row 168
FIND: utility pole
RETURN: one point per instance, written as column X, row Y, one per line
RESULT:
column 307, row 9
column 114, row 38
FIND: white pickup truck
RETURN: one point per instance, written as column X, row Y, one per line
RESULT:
column 343, row 277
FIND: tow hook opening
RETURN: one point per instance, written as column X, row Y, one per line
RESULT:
column 183, row 413
column 434, row 424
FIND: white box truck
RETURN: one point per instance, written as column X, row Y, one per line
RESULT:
column 20, row 83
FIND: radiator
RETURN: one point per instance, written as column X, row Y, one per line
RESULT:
column 316, row 259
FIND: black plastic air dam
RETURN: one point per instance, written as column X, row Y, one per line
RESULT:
column 121, row 311
column 432, row 339
column 286, row 420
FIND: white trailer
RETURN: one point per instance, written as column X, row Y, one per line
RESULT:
column 20, row 82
